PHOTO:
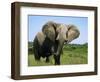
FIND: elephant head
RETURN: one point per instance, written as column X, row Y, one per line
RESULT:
column 61, row 32
column 57, row 31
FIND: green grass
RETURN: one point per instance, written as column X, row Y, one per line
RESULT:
column 72, row 54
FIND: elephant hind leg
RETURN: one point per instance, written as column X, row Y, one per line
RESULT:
column 37, row 58
column 36, row 55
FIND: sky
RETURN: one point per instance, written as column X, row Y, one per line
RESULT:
column 36, row 22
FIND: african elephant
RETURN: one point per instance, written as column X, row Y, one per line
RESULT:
column 52, row 38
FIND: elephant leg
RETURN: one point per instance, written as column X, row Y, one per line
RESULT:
column 57, row 59
column 37, row 58
column 47, row 59
column 36, row 55
column 58, row 50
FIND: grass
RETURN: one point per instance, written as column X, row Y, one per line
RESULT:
column 72, row 54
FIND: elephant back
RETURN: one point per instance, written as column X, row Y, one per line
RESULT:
column 40, row 37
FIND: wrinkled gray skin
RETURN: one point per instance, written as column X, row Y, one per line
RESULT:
column 52, row 38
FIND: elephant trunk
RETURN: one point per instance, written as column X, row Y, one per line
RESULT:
column 58, row 47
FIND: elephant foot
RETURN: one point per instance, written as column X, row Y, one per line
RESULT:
column 57, row 63
column 57, row 59
column 37, row 59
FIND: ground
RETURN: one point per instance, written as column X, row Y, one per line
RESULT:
column 72, row 54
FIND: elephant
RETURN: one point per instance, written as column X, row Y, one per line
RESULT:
column 51, row 39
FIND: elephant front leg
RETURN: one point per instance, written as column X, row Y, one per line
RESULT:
column 57, row 59
column 58, row 50
column 57, row 56
column 47, row 59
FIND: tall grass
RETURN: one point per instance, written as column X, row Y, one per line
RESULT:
column 72, row 54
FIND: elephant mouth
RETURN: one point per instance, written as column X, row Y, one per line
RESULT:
column 66, row 42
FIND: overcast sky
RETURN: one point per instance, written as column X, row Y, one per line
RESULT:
column 35, row 24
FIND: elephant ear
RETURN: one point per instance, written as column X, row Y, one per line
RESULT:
column 73, row 33
column 49, row 30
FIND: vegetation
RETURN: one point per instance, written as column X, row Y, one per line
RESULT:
column 72, row 54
